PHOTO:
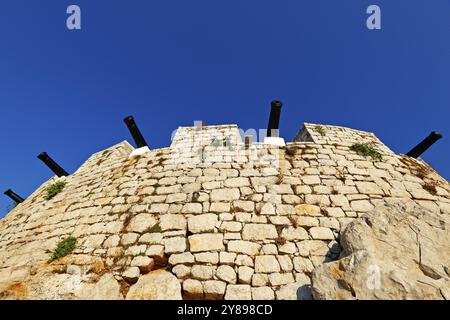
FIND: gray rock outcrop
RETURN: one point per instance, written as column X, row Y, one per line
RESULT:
column 398, row 251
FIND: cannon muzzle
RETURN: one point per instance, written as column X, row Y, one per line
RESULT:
column 14, row 196
column 134, row 130
column 424, row 145
column 56, row 168
column 274, row 119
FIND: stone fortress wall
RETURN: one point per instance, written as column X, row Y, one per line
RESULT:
column 207, row 217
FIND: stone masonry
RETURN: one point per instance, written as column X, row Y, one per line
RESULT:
column 207, row 217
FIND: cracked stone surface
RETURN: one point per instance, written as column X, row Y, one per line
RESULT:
column 401, row 251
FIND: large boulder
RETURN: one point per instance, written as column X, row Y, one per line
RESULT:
column 398, row 251
column 156, row 285
column 46, row 285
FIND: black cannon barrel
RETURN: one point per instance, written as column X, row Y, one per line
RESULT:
column 424, row 145
column 14, row 196
column 274, row 119
column 134, row 130
column 60, row 172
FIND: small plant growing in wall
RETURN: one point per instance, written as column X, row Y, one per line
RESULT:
column 63, row 248
column 54, row 189
column 155, row 229
column 367, row 150
column 321, row 130
column 430, row 186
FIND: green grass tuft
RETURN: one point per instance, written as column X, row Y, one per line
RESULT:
column 54, row 189
column 367, row 150
column 155, row 229
column 321, row 130
column 63, row 248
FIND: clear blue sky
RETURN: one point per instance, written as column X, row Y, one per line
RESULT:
column 170, row 62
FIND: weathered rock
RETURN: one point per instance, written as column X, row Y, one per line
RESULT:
column 214, row 290
column 202, row 223
column 399, row 251
column 156, row 285
column 175, row 244
column 141, row 222
column 266, row 264
column 131, row 274
column 321, row 233
column 291, row 233
column 295, row 291
column 246, row 247
column 262, row 293
column 238, row 292
column 107, row 288
column 47, row 285
column 206, row 242
column 172, row 222
column 226, row 273
column 259, row 232
column 202, row 272
column 225, row 194
column 303, row 264
column 245, row 274
column 268, row 209
column 193, row 289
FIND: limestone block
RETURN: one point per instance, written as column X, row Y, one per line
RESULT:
column 285, row 263
column 214, row 290
column 181, row 271
column 244, row 260
column 277, row 279
column 303, row 264
column 193, row 289
column 220, row 207
column 259, row 232
column 218, row 195
column 369, row 188
column 268, row 209
column 246, row 247
column 174, row 245
column 195, row 208
column 176, row 198
column 227, row 257
column 181, row 258
column 151, row 238
column 308, row 210
column 141, row 222
column 266, row 264
column 312, row 247
column 361, row 205
column 155, row 250
column 202, row 272
column 238, row 292
column 291, row 233
column 131, row 274
column 172, row 222
column 206, row 242
column 245, row 274
column 230, row 226
column 202, row 223
column 226, row 273
column 321, row 233
column 262, row 293
column 156, row 285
